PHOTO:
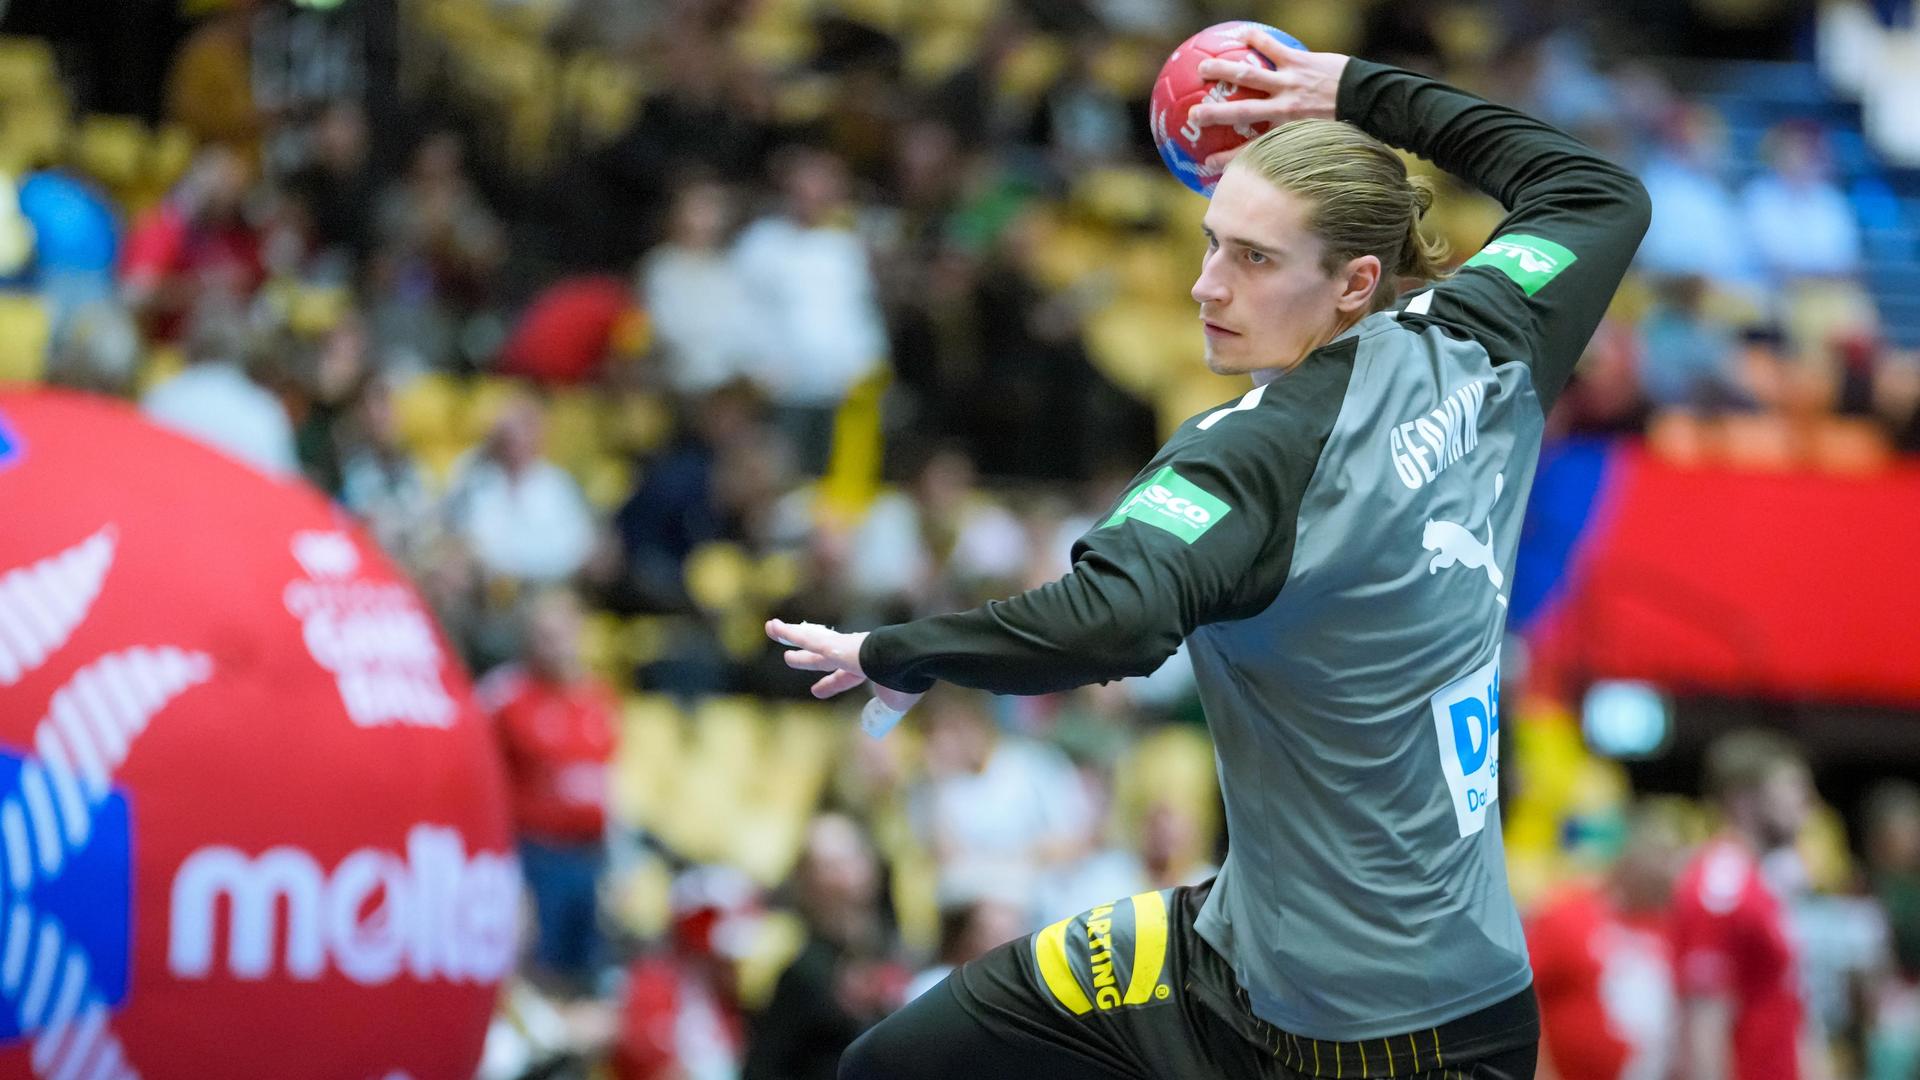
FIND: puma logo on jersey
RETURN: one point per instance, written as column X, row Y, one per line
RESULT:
column 1454, row 545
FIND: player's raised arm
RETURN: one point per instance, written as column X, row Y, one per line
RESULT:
column 1538, row 288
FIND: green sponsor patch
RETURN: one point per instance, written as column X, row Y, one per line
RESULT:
column 1530, row 261
column 1172, row 502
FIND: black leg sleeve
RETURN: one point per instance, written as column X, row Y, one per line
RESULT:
column 934, row 1038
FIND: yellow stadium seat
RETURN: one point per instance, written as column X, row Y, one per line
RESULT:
column 600, row 646
column 112, row 149
column 717, row 575
column 485, row 398
column 573, row 427
column 161, row 364
column 27, row 70
column 426, row 408
column 647, row 758
column 1171, row 763
column 24, row 328
column 1118, row 195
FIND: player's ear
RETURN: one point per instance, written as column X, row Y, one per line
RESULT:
column 1358, row 280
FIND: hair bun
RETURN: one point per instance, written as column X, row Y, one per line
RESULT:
column 1422, row 198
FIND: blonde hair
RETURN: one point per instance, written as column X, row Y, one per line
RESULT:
column 1363, row 201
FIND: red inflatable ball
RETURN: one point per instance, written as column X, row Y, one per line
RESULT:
column 251, row 824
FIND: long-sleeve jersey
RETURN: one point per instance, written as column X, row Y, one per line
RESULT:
column 1336, row 547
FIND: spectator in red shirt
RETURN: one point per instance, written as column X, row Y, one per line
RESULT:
column 1743, row 1015
column 556, row 722
column 198, row 241
column 682, row 1018
column 1601, row 964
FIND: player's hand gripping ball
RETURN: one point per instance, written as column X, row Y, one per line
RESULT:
column 1185, row 146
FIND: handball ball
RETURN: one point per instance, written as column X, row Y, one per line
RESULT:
column 1183, row 145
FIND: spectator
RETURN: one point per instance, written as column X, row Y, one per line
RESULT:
column 1696, row 227
column 1099, row 866
column 703, row 116
column 440, row 247
column 214, row 400
column 1602, row 966
column 210, row 85
column 381, row 482
column 337, row 181
column 844, row 979
column 682, row 1018
column 1743, row 1012
column 808, row 278
column 1800, row 221
column 1689, row 359
column 1893, row 857
column 967, row 931
column 1170, row 849
column 97, row 349
column 199, row 242
column 683, row 500
column 524, row 516
column 996, row 811
column 706, row 328
column 555, row 724
column 937, row 544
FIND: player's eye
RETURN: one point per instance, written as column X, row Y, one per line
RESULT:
column 1256, row 257
column 1212, row 241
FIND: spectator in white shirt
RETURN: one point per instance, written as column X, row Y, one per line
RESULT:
column 1799, row 219
column 811, row 286
column 696, row 297
column 523, row 516
column 1696, row 226
column 937, row 543
column 998, row 812
column 215, row 402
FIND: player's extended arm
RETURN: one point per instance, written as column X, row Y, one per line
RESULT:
column 1538, row 290
column 1206, row 534
column 1137, row 589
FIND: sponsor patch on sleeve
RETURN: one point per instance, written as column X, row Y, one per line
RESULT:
column 1171, row 502
column 1531, row 261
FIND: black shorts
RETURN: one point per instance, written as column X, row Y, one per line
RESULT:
column 1129, row 989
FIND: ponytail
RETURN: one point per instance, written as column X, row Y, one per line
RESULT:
column 1364, row 202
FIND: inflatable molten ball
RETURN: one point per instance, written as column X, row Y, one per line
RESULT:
column 1185, row 146
column 251, row 824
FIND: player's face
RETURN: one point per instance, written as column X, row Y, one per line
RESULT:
column 1265, row 298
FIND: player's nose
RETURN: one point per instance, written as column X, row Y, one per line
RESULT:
column 1209, row 288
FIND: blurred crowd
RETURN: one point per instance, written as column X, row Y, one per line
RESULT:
column 624, row 326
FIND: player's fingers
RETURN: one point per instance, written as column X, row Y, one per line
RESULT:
column 808, row 636
column 1249, row 111
column 1219, row 162
column 837, row 683
column 1277, row 54
column 807, row 660
column 1236, row 73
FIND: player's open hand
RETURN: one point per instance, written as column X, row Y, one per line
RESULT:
column 821, row 648
column 1300, row 85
